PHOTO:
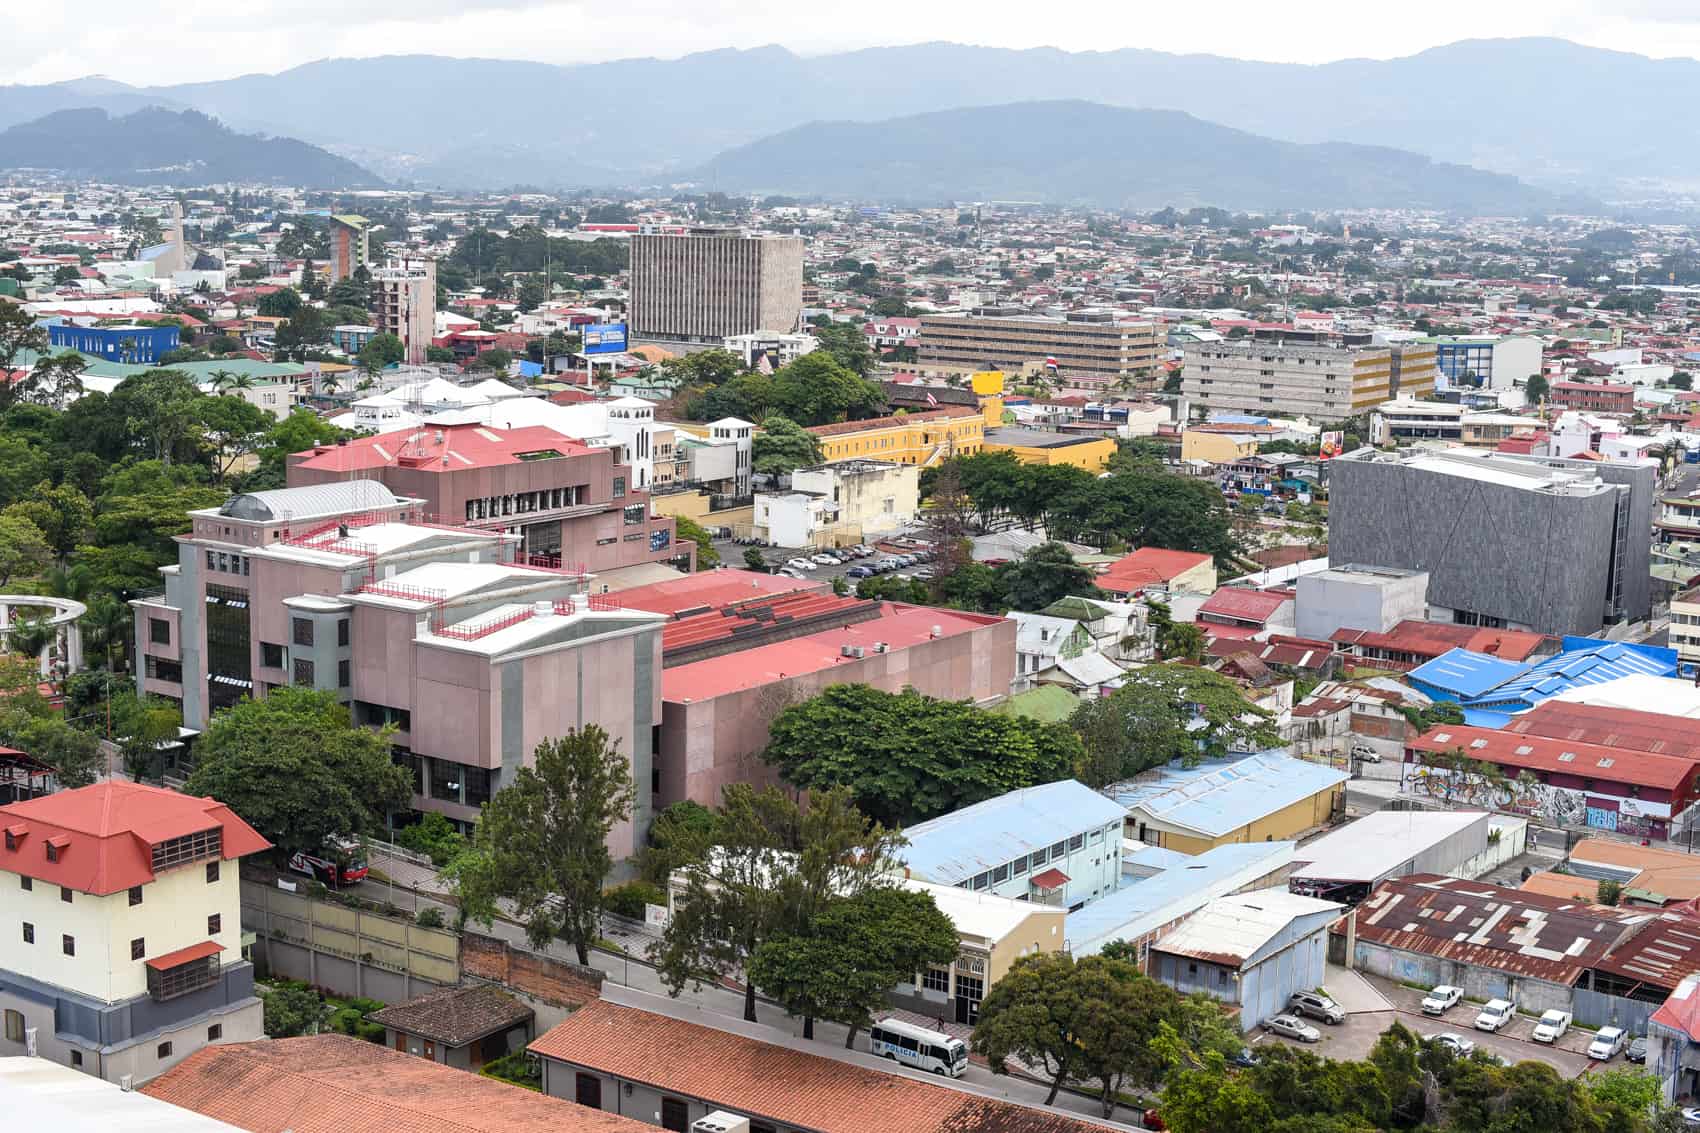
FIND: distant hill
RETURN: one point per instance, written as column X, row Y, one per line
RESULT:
column 155, row 146
column 1555, row 113
column 1085, row 153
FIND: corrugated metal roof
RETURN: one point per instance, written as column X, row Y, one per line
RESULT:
column 956, row 846
column 1589, row 665
column 1233, row 930
column 1472, row 922
column 342, row 497
column 1465, row 673
column 1148, row 904
column 1229, row 797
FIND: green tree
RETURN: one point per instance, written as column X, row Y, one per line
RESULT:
column 906, row 757
column 435, row 836
column 754, row 559
column 690, row 530
column 280, row 304
column 381, row 350
column 713, row 367
column 233, row 428
column 532, row 294
column 1181, row 641
column 306, row 329
column 847, row 345
column 1608, row 892
column 293, row 1009
column 1043, row 575
column 1053, row 1014
column 542, row 842
column 61, row 513
column 678, row 831
column 1536, row 388
column 783, row 446
column 297, row 768
column 140, row 725
column 816, row 390
column 23, row 547
column 1162, row 713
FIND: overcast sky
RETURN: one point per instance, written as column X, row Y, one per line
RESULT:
column 150, row 44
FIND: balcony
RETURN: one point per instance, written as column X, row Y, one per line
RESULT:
column 184, row 971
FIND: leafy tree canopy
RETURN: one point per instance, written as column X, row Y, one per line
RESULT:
column 1162, row 713
column 906, row 757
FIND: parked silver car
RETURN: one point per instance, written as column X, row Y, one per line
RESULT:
column 1291, row 1027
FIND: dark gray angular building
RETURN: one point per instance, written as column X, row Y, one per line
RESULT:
column 1550, row 545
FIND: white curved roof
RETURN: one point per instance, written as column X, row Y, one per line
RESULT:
column 310, row 502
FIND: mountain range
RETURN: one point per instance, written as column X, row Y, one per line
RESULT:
column 155, row 146
column 1069, row 152
column 1554, row 113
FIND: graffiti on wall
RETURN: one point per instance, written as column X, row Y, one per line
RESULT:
column 1555, row 806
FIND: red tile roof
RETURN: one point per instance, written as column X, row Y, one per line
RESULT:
column 338, row 1084
column 758, row 614
column 110, row 828
column 1539, row 753
column 461, row 447
column 1148, row 566
column 898, row 627
column 710, row 590
column 776, row 1084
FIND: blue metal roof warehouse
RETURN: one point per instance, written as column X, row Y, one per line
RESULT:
column 1490, row 690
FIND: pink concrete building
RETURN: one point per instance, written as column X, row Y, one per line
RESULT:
column 729, row 671
column 566, row 500
column 435, row 630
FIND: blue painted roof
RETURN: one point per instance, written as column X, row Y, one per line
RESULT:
column 1584, row 661
column 1154, row 857
column 1103, row 920
column 1465, row 673
column 1233, row 795
column 958, row 845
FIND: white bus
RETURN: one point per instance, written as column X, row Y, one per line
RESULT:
column 932, row 1051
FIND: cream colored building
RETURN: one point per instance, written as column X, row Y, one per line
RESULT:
column 995, row 932
column 1321, row 382
column 121, row 929
column 876, row 497
column 1685, row 628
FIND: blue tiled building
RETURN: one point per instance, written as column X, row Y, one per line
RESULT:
column 135, row 343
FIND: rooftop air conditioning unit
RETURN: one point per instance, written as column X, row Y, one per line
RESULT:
column 721, row 1122
column 881, row 647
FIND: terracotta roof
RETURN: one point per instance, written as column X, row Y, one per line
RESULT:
column 777, row 1084
column 1431, row 639
column 109, row 829
column 892, row 422
column 1672, row 875
column 338, row 1084
column 456, row 1016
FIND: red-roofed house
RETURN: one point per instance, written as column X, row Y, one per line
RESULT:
column 728, row 673
column 1239, row 606
column 1154, row 568
column 1413, row 643
column 122, row 946
column 569, row 501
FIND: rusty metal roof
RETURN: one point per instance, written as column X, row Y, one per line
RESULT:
column 1661, row 953
column 1472, row 922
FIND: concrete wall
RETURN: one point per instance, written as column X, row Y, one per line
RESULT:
column 347, row 951
column 1261, row 990
column 1358, row 600
column 1531, row 996
column 1532, row 558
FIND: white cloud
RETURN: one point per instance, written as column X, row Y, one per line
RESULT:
column 160, row 44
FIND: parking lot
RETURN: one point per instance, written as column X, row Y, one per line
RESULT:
column 1354, row 1038
column 732, row 554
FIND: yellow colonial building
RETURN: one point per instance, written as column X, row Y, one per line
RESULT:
column 907, row 438
column 1267, row 797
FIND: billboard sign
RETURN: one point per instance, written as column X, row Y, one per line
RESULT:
column 1332, row 443
column 604, row 338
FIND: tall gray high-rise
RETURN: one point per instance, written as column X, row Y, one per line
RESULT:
column 708, row 283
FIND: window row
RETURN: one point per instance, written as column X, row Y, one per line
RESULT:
column 227, row 562
column 523, row 503
column 1032, row 861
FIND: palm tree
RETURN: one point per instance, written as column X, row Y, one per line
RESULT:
column 221, row 380
column 329, row 384
column 29, row 636
column 106, row 629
